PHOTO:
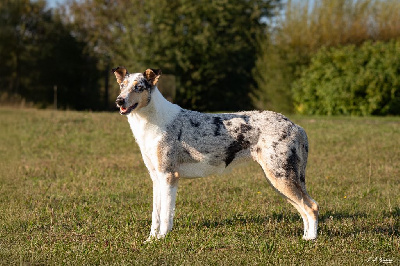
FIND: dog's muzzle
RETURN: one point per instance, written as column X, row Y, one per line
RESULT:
column 120, row 101
column 122, row 110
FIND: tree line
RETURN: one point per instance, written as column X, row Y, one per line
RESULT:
column 216, row 55
column 209, row 47
column 38, row 51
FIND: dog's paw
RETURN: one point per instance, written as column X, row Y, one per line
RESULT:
column 310, row 238
column 152, row 238
column 149, row 240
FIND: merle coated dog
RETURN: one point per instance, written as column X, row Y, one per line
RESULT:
column 178, row 143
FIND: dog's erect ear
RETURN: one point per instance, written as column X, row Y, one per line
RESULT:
column 120, row 73
column 152, row 75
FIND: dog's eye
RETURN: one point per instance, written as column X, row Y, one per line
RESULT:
column 138, row 87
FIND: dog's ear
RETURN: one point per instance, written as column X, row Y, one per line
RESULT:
column 120, row 73
column 152, row 75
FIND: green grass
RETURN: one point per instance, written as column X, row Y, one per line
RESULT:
column 74, row 190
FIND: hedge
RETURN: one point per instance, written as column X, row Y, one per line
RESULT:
column 351, row 80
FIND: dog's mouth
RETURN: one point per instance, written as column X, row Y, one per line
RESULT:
column 125, row 111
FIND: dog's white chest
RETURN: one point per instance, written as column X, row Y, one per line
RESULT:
column 147, row 135
column 149, row 124
column 143, row 131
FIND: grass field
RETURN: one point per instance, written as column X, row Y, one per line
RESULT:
column 74, row 190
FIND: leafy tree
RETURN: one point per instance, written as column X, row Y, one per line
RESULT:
column 275, row 70
column 209, row 46
column 214, row 49
column 113, row 32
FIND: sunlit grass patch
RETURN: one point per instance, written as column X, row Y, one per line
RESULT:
column 74, row 190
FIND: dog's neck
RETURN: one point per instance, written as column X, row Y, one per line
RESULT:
column 159, row 111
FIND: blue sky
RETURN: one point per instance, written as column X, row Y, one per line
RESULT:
column 54, row 3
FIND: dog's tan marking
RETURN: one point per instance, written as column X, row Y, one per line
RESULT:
column 152, row 75
column 159, row 157
column 173, row 178
column 294, row 192
column 194, row 154
column 143, row 99
column 133, row 83
column 120, row 73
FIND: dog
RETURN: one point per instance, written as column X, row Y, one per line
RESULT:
column 178, row 143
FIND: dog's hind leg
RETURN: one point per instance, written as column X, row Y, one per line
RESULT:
column 293, row 189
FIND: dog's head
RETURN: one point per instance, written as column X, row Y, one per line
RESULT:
column 135, row 88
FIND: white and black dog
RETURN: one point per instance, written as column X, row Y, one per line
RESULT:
column 177, row 143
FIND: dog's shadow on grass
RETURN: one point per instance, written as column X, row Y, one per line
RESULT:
column 331, row 223
column 238, row 219
column 336, row 223
column 337, row 215
column 232, row 221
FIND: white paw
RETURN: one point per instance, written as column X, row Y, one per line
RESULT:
column 153, row 238
column 149, row 240
column 310, row 237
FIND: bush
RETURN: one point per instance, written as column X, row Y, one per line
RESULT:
column 304, row 27
column 351, row 80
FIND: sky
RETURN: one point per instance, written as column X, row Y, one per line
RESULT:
column 54, row 3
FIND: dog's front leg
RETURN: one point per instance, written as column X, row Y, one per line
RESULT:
column 168, row 190
column 155, row 217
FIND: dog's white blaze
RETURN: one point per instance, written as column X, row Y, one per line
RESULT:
column 125, row 91
column 132, row 80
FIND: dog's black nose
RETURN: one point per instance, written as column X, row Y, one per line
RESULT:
column 120, row 101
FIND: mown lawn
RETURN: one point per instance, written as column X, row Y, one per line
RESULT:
column 74, row 190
